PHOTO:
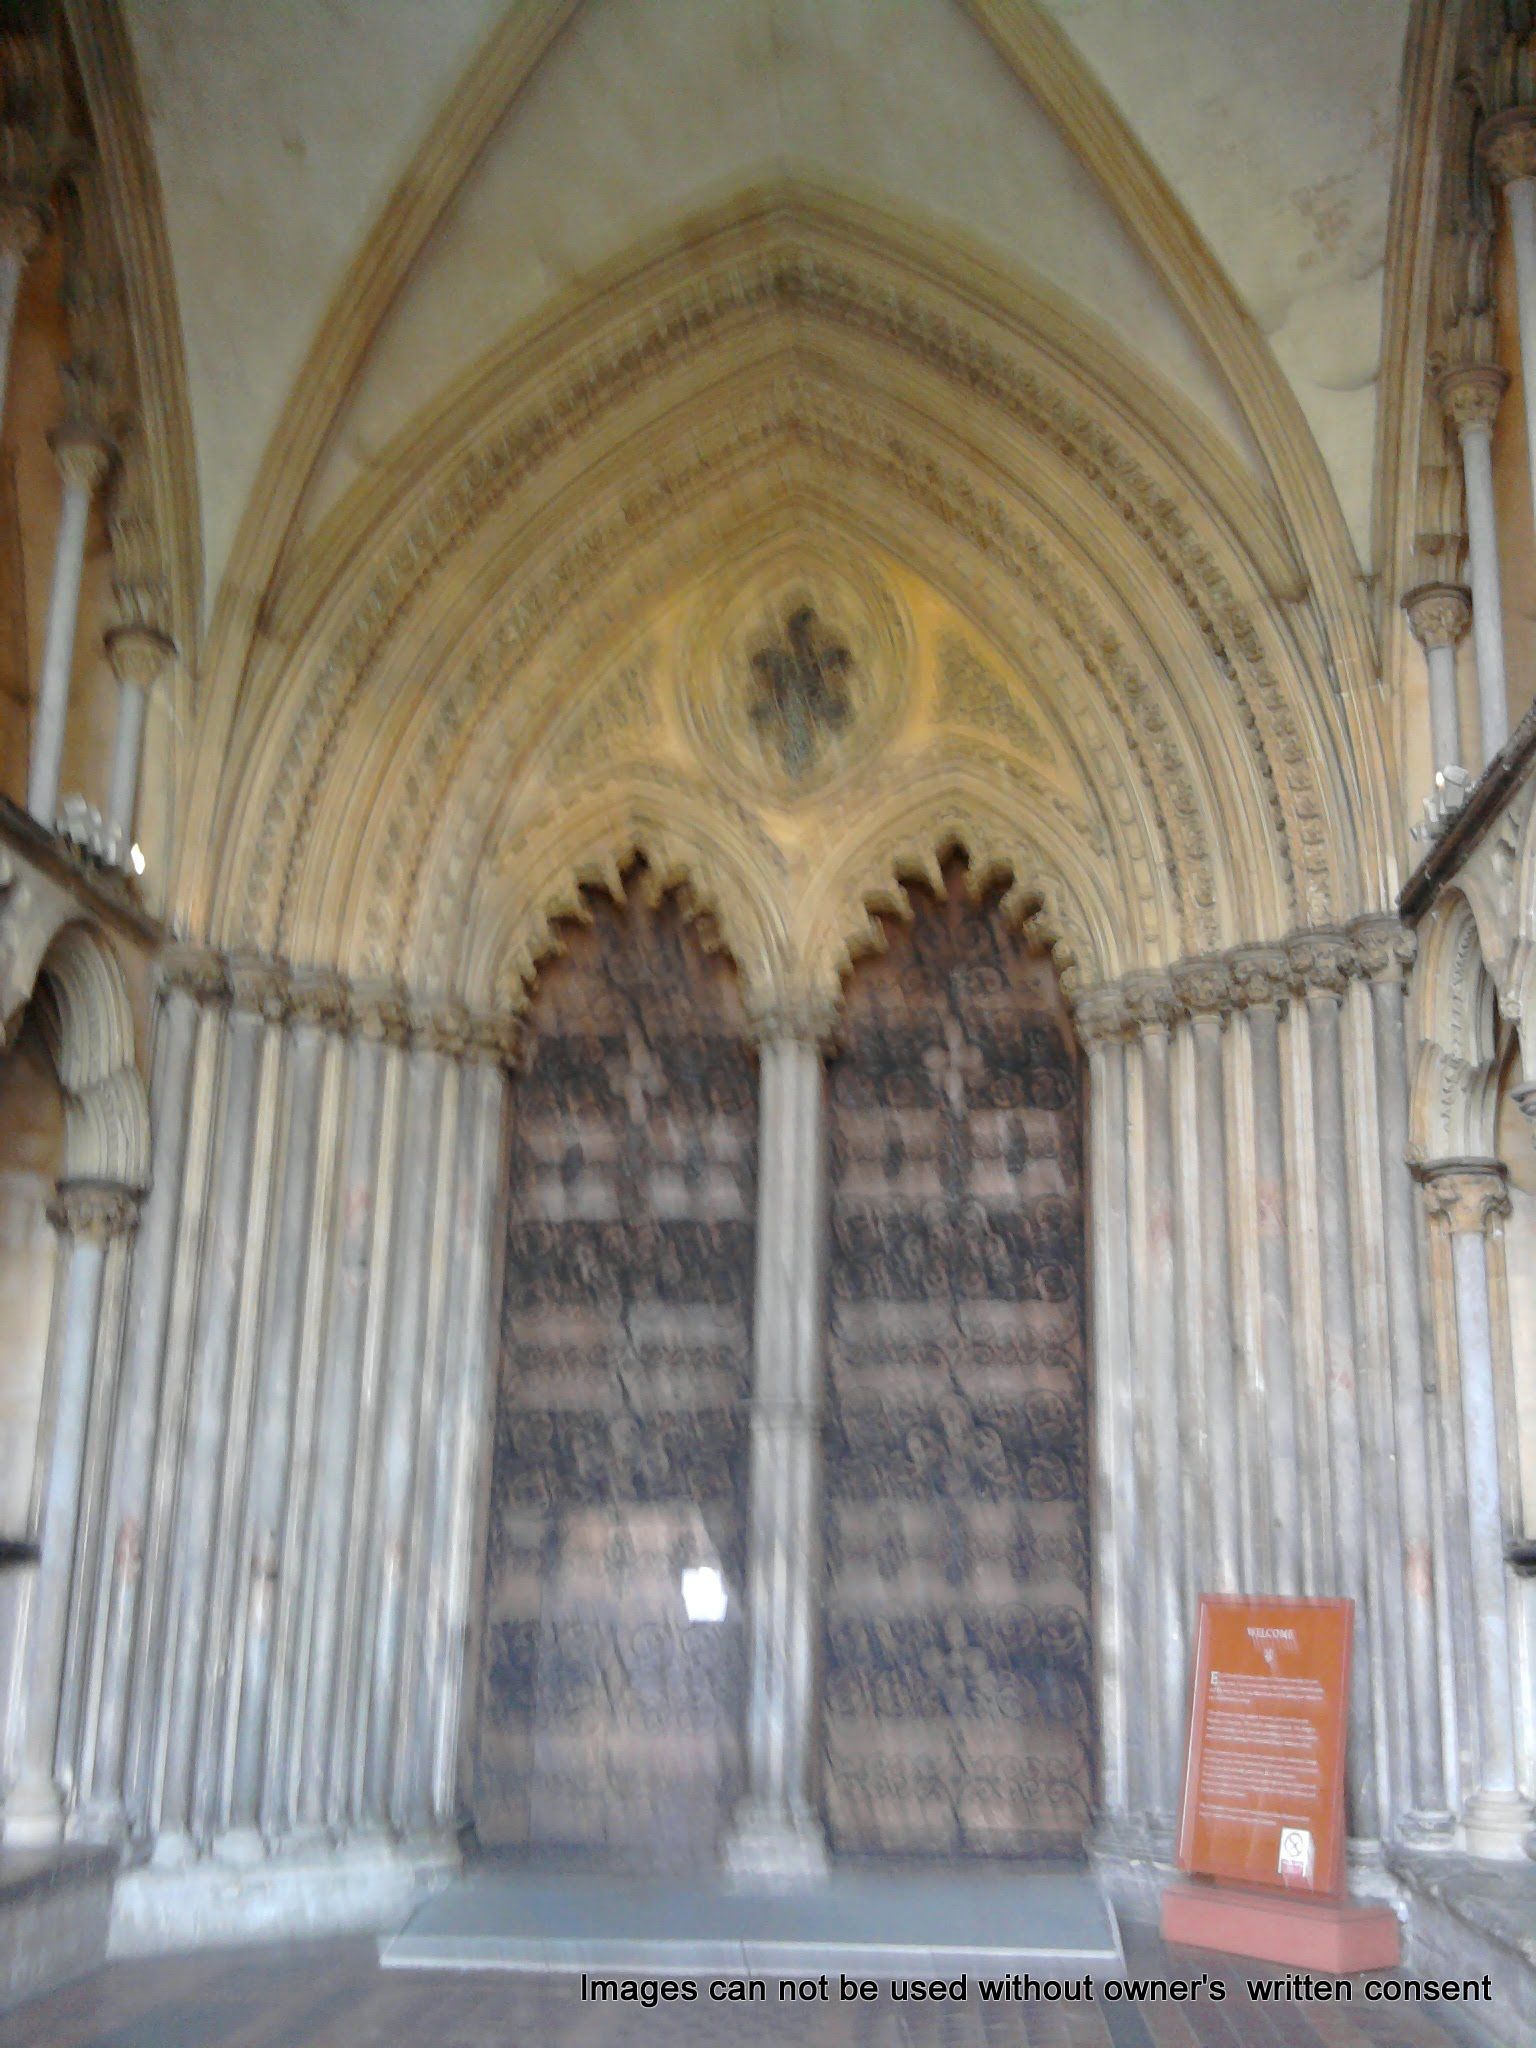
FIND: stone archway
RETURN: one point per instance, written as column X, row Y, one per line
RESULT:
column 85, row 1022
column 958, row 1683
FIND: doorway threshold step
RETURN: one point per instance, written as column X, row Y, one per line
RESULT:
column 928, row 1923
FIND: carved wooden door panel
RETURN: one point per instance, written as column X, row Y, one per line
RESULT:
column 608, row 1722
column 957, row 1651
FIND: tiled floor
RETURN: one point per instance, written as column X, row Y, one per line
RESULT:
column 333, row 1995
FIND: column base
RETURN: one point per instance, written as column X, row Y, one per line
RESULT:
column 1497, row 1825
column 34, row 1815
column 1427, row 1830
column 772, row 1848
column 99, row 1823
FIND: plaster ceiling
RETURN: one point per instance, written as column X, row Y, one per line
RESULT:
column 281, row 127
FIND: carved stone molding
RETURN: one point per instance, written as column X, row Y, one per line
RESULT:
column 1507, row 145
column 1323, row 963
column 97, row 1210
column 1438, row 613
column 1470, row 394
column 1466, row 1194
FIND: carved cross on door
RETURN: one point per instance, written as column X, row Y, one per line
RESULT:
column 951, row 1066
column 801, row 697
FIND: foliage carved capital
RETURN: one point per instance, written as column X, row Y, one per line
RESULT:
column 1323, row 963
column 1466, row 1194
column 1507, row 145
column 1470, row 394
column 93, row 1210
column 1438, row 613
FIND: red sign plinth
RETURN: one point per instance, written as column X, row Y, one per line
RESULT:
column 1263, row 1805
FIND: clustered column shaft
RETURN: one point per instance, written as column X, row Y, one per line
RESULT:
column 272, row 1634
column 87, row 1215
column 1468, row 1200
column 1299, row 1229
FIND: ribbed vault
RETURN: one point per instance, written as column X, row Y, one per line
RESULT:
column 1109, row 674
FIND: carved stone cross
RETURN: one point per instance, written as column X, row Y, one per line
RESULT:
column 801, row 697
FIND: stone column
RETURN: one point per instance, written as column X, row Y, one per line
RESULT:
column 777, row 1835
column 1386, row 950
column 1438, row 615
column 21, row 229
column 1101, row 1021
column 139, row 657
column 83, row 456
column 1469, row 1199
column 1470, row 395
column 1507, row 145
column 1323, row 963
column 1204, row 989
column 1261, row 983
column 87, row 1214
column 1151, row 1006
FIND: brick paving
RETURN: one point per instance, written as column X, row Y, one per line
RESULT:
column 333, row 1995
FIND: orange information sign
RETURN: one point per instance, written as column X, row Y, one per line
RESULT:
column 1264, row 1782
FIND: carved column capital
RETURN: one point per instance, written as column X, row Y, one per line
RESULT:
column 1101, row 1013
column 1438, row 614
column 1322, row 963
column 196, row 970
column 1261, row 977
column 96, row 1210
column 260, row 985
column 1385, row 948
column 23, row 219
column 318, row 997
column 441, row 1027
column 1149, row 1001
column 806, row 1016
column 1468, row 1194
column 1470, row 394
column 1203, row 987
column 497, row 1040
column 139, row 654
column 380, row 1013
column 1507, row 145
column 83, row 452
